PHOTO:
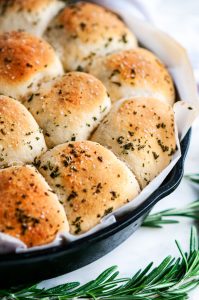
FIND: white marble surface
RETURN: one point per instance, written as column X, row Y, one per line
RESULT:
column 180, row 18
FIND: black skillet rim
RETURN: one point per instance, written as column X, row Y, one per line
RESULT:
column 168, row 186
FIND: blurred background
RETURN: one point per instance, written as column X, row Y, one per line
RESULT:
column 179, row 18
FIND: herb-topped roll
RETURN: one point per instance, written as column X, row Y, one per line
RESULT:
column 28, row 15
column 134, row 73
column 69, row 107
column 29, row 210
column 25, row 61
column 89, row 180
column 83, row 31
column 141, row 132
column 21, row 139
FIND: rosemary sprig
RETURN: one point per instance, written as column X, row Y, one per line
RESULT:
column 194, row 177
column 161, row 218
column 172, row 279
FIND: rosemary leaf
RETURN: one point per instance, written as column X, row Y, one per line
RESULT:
column 172, row 279
column 158, row 219
column 194, row 177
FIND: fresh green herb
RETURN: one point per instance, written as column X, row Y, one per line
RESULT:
column 120, row 140
column 100, row 158
column 30, row 98
column 55, row 173
column 77, row 224
column 162, row 146
column 161, row 218
column 124, row 38
column 172, row 279
column 161, row 125
column 80, row 69
column 82, row 26
column 116, row 83
column 128, row 146
column 72, row 195
column 115, row 72
column 108, row 211
column 102, row 110
column 193, row 177
column 155, row 155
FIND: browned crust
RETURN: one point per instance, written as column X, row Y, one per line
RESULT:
column 146, row 120
column 139, row 67
column 22, row 55
column 89, row 22
column 141, row 132
column 20, row 5
column 93, row 181
column 28, row 209
column 15, row 123
column 75, row 90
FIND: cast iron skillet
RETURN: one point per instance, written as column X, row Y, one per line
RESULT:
column 32, row 267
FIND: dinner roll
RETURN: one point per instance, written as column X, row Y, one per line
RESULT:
column 21, row 139
column 69, row 107
column 25, row 61
column 29, row 210
column 28, row 15
column 140, row 131
column 89, row 180
column 133, row 73
column 83, row 31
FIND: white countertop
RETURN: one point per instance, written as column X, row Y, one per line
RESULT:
column 146, row 244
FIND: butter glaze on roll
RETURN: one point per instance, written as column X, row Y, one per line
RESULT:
column 89, row 180
column 28, row 15
column 29, row 210
column 25, row 61
column 69, row 107
column 83, row 31
column 134, row 73
column 21, row 139
column 140, row 131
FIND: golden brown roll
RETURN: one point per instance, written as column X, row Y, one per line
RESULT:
column 25, row 61
column 28, row 15
column 134, row 73
column 21, row 139
column 69, row 107
column 89, row 180
column 29, row 210
column 140, row 131
column 83, row 31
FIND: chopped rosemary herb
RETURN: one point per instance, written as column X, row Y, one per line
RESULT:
column 172, row 279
